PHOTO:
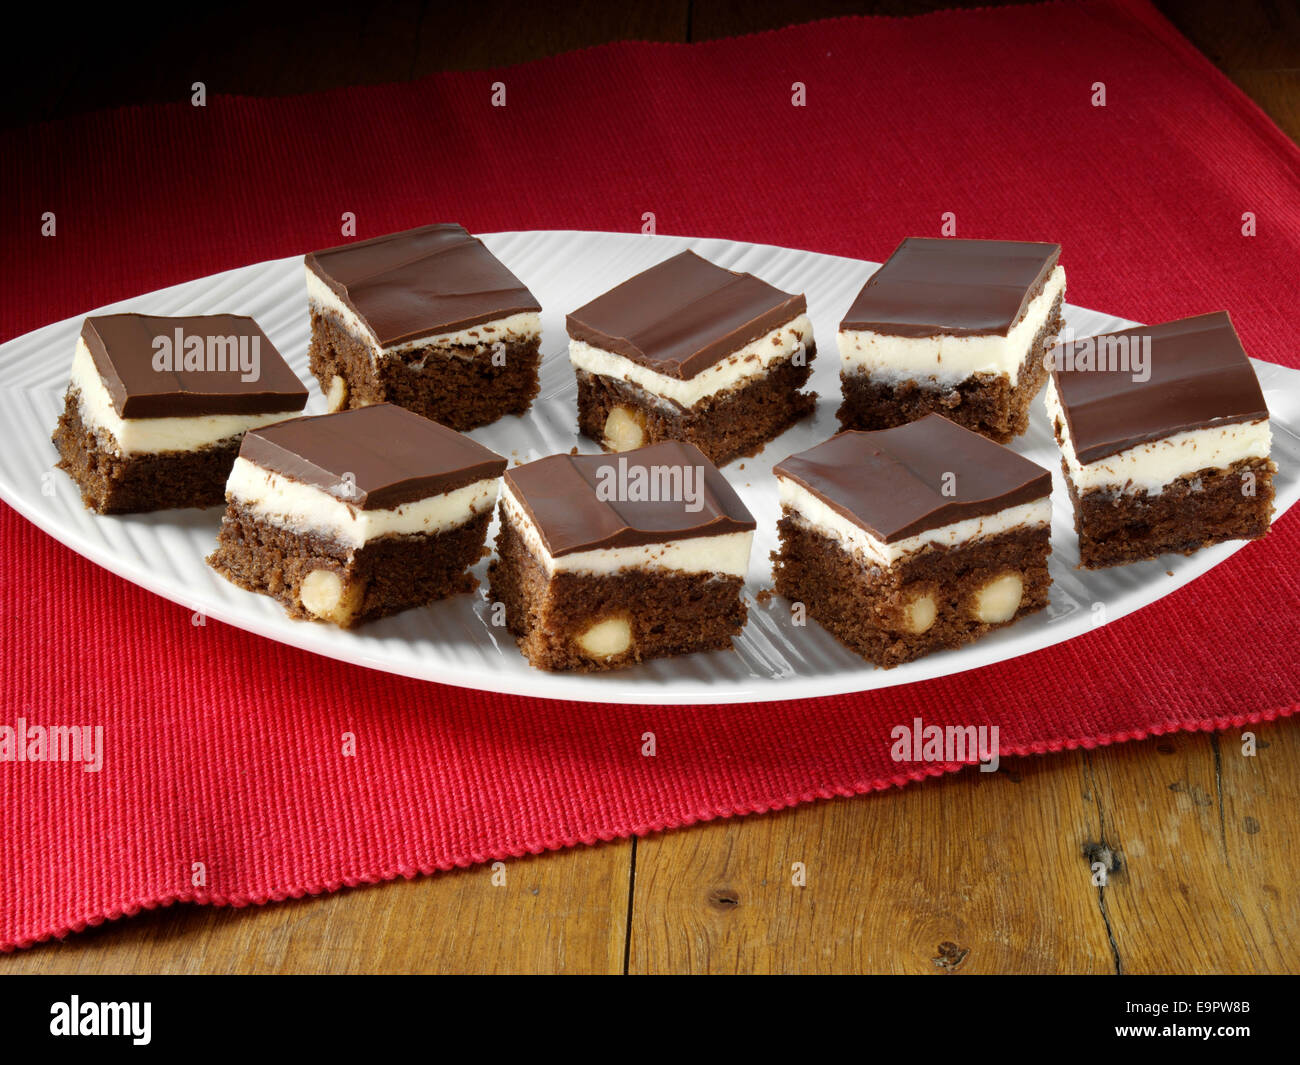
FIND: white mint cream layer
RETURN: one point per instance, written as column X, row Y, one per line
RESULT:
column 823, row 518
column 1149, row 467
column 726, row 555
column 151, row 436
column 512, row 328
column 741, row 366
column 303, row 508
column 946, row 361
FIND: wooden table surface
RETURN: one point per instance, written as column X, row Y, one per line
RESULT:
column 969, row 873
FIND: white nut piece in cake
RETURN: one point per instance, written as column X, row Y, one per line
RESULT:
column 999, row 599
column 624, row 429
column 323, row 595
column 607, row 638
column 920, row 614
column 337, row 398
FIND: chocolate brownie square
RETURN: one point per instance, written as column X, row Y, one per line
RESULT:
column 952, row 327
column 689, row 351
column 156, row 407
column 912, row 539
column 428, row 319
column 604, row 561
column 352, row 516
column 1164, row 438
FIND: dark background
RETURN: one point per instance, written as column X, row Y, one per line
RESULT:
column 67, row 61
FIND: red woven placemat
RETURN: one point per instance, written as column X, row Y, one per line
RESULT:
column 224, row 749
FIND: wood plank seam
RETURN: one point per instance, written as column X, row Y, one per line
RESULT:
column 1103, row 853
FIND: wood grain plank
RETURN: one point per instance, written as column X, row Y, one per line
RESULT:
column 1261, row 832
column 298, row 46
column 728, row 18
column 555, row 913
column 1277, row 92
column 1248, row 34
column 1195, row 891
column 971, row 873
column 246, row 48
column 502, row 33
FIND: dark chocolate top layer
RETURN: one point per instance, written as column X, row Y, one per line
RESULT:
column 147, row 378
column 684, row 315
column 434, row 279
column 947, row 287
column 1199, row 376
column 588, row 502
column 392, row 455
column 892, row 482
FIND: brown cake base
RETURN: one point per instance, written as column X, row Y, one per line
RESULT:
column 113, row 483
column 461, row 387
column 865, row 606
column 385, row 576
column 668, row 613
column 728, row 426
column 1190, row 513
column 985, row 403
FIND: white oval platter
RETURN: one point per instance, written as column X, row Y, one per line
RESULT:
column 454, row 642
